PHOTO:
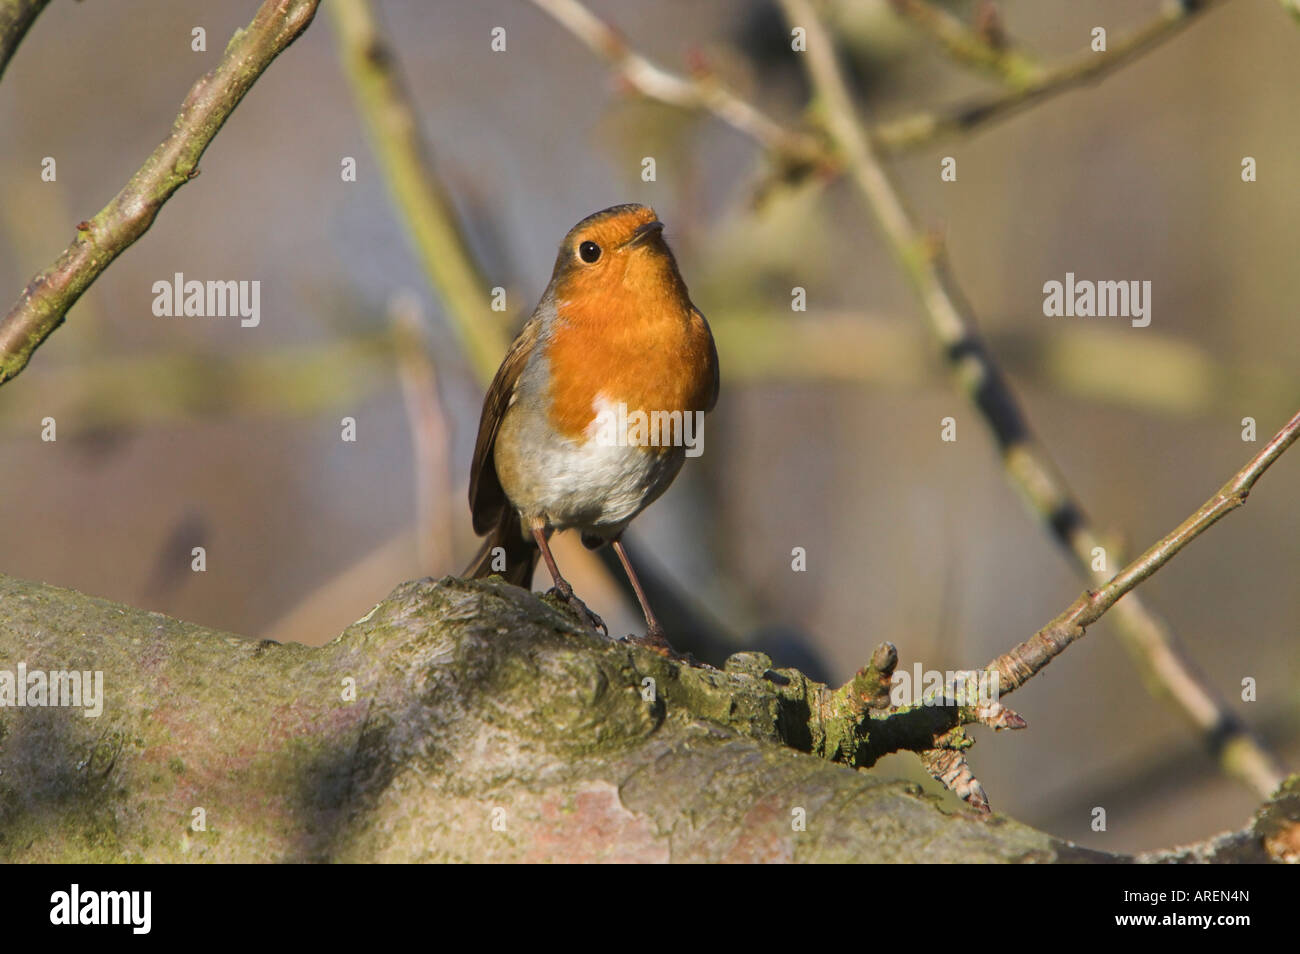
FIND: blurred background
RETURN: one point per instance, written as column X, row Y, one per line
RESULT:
column 175, row 433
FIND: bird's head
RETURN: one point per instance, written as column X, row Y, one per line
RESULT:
column 616, row 258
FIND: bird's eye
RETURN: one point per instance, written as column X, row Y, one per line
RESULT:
column 589, row 252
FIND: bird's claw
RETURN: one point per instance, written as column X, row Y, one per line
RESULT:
column 578, row 606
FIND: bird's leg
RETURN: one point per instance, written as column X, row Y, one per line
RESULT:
column 654, row 634
column 562, row 587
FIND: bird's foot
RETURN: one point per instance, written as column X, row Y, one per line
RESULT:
column 566, row 593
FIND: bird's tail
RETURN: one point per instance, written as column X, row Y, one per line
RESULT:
column 506, row 551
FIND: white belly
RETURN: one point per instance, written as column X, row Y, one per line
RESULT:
column 595, row 484
column 599, row 486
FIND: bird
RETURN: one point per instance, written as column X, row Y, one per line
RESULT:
column 614, row 343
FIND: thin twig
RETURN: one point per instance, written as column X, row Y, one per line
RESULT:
column 860, row 727
column 704, row 93
column 45, row 301
column 16, row 17
column 417, row 191
column 910, row 132
column 1016, row 667
column 965, row 46
column 1029, row 467
column 924, row 127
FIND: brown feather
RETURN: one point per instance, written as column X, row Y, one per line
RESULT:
column 521, row 555
column 487, row 501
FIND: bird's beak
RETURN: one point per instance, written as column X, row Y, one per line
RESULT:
column 643, row 232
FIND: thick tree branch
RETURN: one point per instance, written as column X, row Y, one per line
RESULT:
column 456, row 721
column 45, row 301
column 465, row 721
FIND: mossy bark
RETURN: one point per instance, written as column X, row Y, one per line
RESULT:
column 486, row 726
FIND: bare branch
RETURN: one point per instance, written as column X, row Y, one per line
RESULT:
column 1029, row 467
column 656, row 83
column 45, row 301
column 1087, row 66
column 1029, row 82
column 1016, row 667
column 968, row 47
column 859, row 724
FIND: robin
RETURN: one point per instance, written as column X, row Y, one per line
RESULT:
column 568, row 437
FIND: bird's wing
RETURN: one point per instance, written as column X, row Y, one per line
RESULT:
column 714, row 370
column 486, row 498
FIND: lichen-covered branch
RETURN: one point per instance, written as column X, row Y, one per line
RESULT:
column 16, row 18
column 45, row 301
column 457, row 721
column 485, row 726
column 1029, row 467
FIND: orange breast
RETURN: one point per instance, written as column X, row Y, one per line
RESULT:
column 637, row 342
